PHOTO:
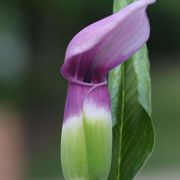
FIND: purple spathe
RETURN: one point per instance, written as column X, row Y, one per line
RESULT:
column 107, row 43
column 80, row 94
column 99, row 48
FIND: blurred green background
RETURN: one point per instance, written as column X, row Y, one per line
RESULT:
column 33, row 39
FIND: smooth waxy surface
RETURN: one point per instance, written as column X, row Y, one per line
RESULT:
column 86, row 146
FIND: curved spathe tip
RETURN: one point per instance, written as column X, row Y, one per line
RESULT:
column 107, row 43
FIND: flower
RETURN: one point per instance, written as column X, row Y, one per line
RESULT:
column 86, row 141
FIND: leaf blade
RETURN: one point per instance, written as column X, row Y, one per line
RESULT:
column 133, row 133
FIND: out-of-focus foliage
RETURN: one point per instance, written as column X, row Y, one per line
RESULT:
column 33, row 39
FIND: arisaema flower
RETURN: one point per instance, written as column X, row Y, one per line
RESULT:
column 86, row 142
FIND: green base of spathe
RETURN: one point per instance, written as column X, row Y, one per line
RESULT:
column 86, row 146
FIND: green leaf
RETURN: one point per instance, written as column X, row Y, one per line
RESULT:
column 133, row 133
